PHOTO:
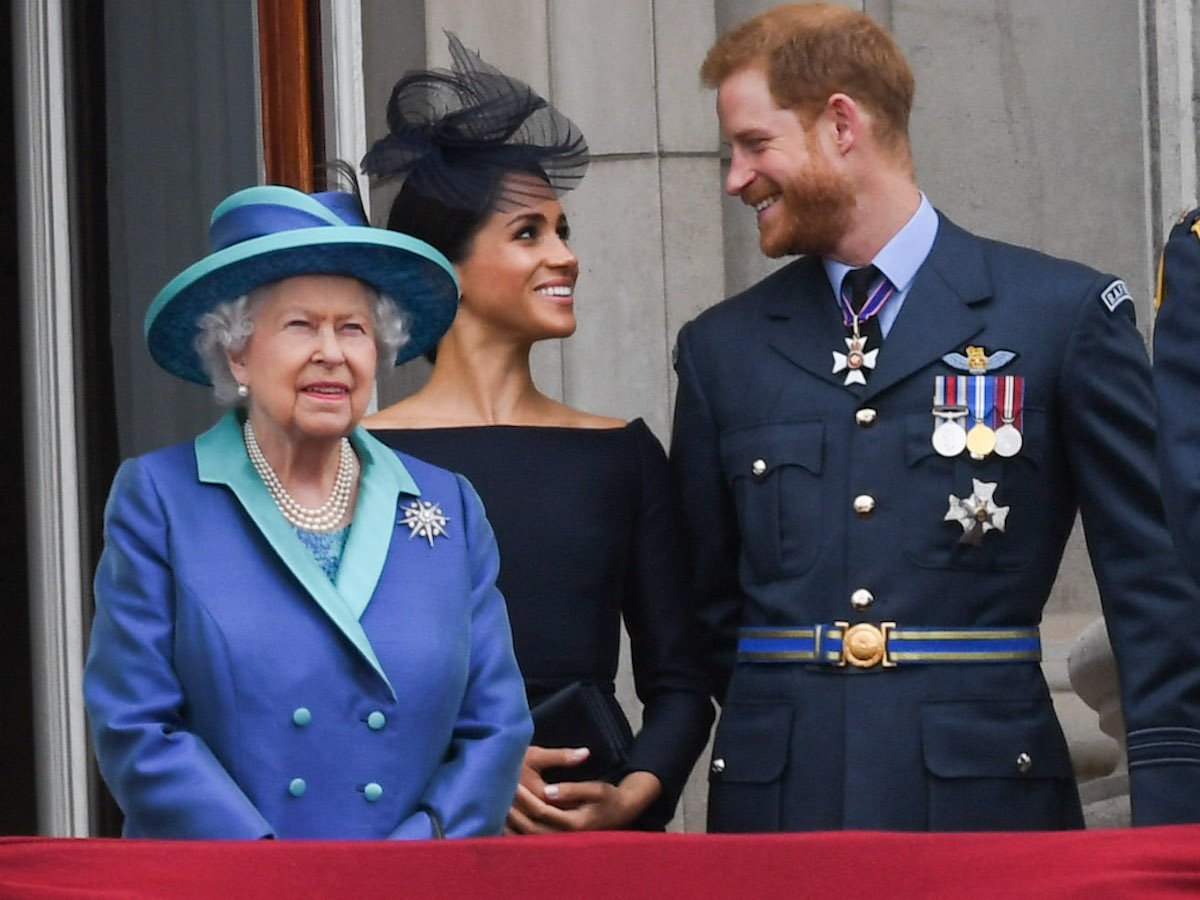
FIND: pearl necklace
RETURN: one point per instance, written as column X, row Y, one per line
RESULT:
column 326, row 517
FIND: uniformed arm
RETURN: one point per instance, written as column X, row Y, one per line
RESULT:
column 1150, row 605
column 663, row 635
column 164, row 777
column 470, row 792
column 1177, row 387
column 709, row 520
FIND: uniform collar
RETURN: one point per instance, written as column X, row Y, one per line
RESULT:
column 902, row 256
column 221, row 458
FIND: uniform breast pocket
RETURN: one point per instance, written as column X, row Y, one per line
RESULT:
column 1007, row 492
column 774, row 473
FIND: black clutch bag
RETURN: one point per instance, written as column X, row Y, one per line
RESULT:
column 581, row 715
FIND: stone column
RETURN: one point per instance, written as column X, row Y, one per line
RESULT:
column 1093, row 674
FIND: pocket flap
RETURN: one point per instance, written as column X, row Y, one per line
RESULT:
column 758, row 450
column 994, row 739
column 752, row 742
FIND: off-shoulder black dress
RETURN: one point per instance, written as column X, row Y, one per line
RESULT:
column 587, row 524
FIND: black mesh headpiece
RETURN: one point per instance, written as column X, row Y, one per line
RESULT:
column 454, row 134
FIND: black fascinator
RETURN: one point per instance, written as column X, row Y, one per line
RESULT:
column 455, row 133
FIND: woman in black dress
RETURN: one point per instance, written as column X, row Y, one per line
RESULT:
column 582, row 505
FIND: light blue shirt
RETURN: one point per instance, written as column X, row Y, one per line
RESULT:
column 899, row 260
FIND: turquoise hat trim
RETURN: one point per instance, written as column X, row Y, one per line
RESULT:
column 274, row 194
column 290, row 240
column 291, row 234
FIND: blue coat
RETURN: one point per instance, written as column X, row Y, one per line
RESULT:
column 772, row 449
column 1177, row 385
column 236, row 692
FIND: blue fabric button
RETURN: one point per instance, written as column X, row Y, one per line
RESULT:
column 376, row 720
column 297, row 787
column 373, row 792
column 302, row 716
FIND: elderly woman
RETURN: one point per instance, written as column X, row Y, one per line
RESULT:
column 298, row 632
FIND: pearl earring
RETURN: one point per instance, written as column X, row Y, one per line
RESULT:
column 243, row 391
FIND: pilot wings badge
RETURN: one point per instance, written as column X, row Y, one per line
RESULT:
column 977, row 361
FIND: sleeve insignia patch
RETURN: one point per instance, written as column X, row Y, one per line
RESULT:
column 1114, row 295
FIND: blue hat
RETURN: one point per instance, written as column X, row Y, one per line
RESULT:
column 267, row 233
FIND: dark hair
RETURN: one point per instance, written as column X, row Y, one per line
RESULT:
column 450, row 226
column 447, row 228
column 455, row 135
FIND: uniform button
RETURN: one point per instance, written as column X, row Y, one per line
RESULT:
column 865, row 417
column 376, row 720
column 718, row 766
column 372, row 792
column 864, row 505
column 302, row 716
column 297, row 787
column 862, row 598
column 1024, row 763
column 758, row 467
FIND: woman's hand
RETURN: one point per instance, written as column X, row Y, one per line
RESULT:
column 541, row 808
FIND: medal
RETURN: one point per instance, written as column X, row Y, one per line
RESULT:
column 977, row 514
column 1008, row 441
column 981, row 439
column 949, row 436
column 1010, row 391
column 855, row 359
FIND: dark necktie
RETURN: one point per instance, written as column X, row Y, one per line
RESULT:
column 858, row 284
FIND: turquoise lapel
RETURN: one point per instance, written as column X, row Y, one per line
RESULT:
column 221, row 459
column 384, row 479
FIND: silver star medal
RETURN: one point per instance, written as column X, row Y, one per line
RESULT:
column 977, row 514
column 855, row 359
column 425, row 519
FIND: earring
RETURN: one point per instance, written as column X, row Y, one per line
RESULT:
column 243, row 391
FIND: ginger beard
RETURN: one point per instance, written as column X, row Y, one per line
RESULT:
column 812, row 214
column 815, row 205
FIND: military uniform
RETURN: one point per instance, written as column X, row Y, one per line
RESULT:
column 1177, row 385
column 814, row 505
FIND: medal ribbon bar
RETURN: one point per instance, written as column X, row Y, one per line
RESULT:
column 1010, row 398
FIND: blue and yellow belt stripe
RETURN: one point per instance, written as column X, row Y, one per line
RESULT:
column 826, row 644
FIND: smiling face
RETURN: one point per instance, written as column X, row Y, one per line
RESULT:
column 518, row 277
column 782, row 169
column 309, row 364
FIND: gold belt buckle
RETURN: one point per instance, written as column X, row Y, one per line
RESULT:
column 865, row 645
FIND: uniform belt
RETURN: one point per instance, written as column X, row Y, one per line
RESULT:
column 864, row 645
